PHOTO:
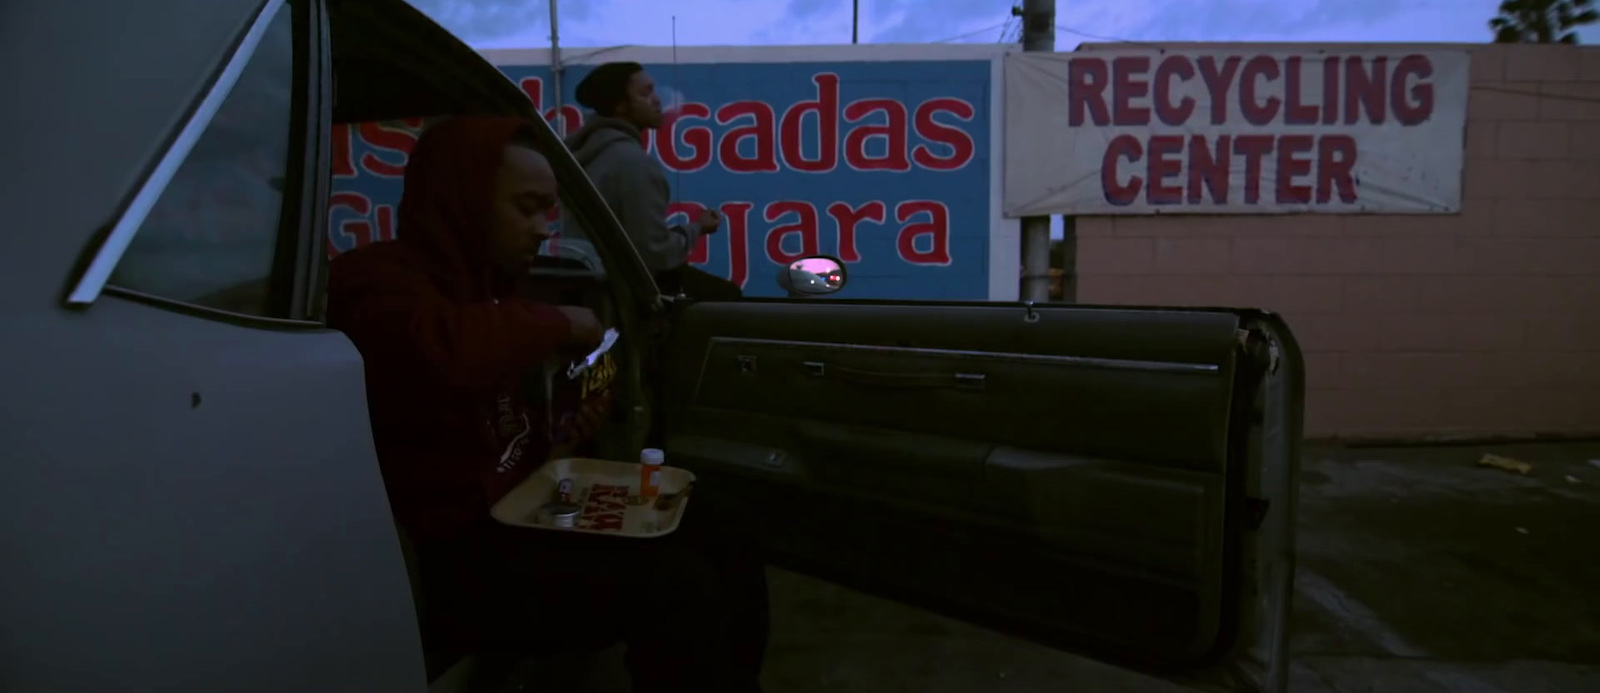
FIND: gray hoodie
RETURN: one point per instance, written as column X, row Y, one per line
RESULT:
column 635, row 186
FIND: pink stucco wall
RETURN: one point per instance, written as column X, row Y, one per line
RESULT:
column 1483, row 323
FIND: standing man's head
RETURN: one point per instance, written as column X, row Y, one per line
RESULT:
column 622, row 90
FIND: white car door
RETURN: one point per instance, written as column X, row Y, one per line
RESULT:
column 190, row 497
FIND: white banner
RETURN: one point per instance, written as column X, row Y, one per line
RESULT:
column 1245, row 131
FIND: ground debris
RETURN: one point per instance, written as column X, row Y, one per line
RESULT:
column 1505, row 464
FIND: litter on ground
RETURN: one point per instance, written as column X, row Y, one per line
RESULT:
column 1505, row 464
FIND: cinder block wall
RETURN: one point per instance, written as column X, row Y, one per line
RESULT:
column 1484, row 323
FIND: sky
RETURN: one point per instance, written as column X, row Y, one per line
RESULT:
column 593, row 23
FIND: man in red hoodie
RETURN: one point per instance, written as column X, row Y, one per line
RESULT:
column 448, row 338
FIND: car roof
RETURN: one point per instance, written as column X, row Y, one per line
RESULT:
column 96, row 88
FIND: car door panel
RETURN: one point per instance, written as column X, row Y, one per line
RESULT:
column 915, row 389
column 1073, row 474
column 193, row 500
column 199, row 508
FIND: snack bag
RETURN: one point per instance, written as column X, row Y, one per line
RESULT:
column 579, row 403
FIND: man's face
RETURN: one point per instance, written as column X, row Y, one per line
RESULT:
column 642, row 106
column 525, row 193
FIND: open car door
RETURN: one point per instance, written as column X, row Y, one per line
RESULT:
column 1117, row 482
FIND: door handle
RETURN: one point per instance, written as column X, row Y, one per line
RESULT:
column 970, row 381
column 815, row 368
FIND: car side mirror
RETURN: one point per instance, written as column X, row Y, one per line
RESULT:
column 817, row 275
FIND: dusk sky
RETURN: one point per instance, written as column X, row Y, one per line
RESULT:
column 524, row 23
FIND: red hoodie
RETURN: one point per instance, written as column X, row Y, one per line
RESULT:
column 446, row 347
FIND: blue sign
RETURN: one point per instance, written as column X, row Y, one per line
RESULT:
column 885, row 165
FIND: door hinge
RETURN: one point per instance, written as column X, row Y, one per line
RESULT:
column 1257, row 345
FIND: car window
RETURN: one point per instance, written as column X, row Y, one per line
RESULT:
column 569, row 241
column 211, row 238
column 369, row 162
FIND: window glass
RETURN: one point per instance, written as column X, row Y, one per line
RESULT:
column 570, row 241
column 211, row 238
column 369, row 160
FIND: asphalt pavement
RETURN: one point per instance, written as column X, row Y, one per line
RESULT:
column 1421, row 571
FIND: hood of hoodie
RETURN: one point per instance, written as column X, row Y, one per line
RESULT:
column 447, row 206
column 600, row 133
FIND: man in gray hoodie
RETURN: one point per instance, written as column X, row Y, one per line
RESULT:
column 623, row 98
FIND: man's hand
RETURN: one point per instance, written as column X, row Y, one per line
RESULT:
column 586, row 329
column 710, row 220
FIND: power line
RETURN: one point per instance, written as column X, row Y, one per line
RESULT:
column 970, row 34
column 1012, row 31
column 1098, row 37
column 1524, row 92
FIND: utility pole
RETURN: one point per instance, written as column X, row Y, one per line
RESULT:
column 1038, row 34
column 855, row 22
column 560, row 122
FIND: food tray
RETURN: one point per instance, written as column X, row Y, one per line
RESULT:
column 602, row 489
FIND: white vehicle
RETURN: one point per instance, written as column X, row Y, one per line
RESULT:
column 813, row 276
column 190, row 500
